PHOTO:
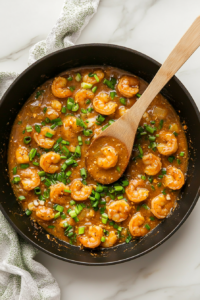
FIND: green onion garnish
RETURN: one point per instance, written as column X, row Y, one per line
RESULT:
column 24, row 166
column 48, row 135
column 161, row 124
column 118, row 169
column 29, row 128
column 81, row 230
column 147, row 226
column 140, row 150
column 32, row 153
column 27, row 139
column 37, row 128
column 96, row 77
column 80, row 123
column 41, row 173
column 112, row 95
column 143, row 177
column 28, row 212
column 14, row 170
column 37, row 190
column 21, row 198
column 86, row 85
column 72, row 202
column 123, row 101
column 103, row 239
column 64, row 110
column 70, row 78
column 182, row 153
column 83, row 173
column 138, row 95
column 44, row 110
column 57, row 215
column 171, row 159
column 59, row 208
column 87, row 132
column 150, row 129
column 93, row 90
column 78, row 77
column 152, row 218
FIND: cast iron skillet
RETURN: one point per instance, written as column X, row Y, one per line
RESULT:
column 138, row 64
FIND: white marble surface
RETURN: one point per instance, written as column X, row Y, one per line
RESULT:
column 153, row 27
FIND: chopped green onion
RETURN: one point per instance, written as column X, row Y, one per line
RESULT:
column 80, row 123
column 171, row 159
column 38, row 94
column 44, row 110
column 164, row 171
column 161, row 124
column 147, row 226
column 125, row 183
column 70, row 78
column 64, row 110
column 152, row 138
column 21, row 198
column 93, row 90
column 83, row 173
column 35, row 163
column 128, row 239
column 138, row 95
column 110, row 83
column 57, row 215
column 72, row 214
column 118, row 169
column 48, row 135
column 143, row 177
column 32, row 153
column 86, row 85
column 68, row 173
column 96, row 77
column 41, row 173
column 175, row 133
column 152, row 218
column 150, row 178
column 75, row 107
column 24, row 166
column 28, row 212
column 59, row 208
column 37, row 128
column 72, row 202
column 140, row 150
column 103, row 239
column 123, row 101
column 87, row 132
column 80, row 142
column 14, row 170
column 51, row 226
column 29, row 128
column 67, row 191
column 37, row 190
column 182, row 153
column 81, row 230
column 88, row 100
column 78, row 77
column 150, row 129
column 27, row 139
column 104, row 221
column 145, row 206
column 164, row 192
column 72, row 88
column 100, row 119
column 153, row 188
column 65, row 143
column 159, row 184
column 112, row 95
column 87, row 142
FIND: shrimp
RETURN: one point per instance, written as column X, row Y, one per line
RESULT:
column 92, row 80
column 55, row 104
column 57, row 193
column 70, row 129
column 83, row 95
column 118, row 211
column 22, row 155
column 79, row 191
column 110, row 160
column 93, row 238
column 158, row 207
column 102, row 104
column 59, row 88
column 128, row 86
column 135, row 192
column 122, row 110
column 42, row 140
column 153, row 163
column 45, row 213
column 31, row 179
column 51, row 114
column 48, row 161
column 136, row 225
column 174, row 179
column 111, row 239
column 171, row 144
column 68, row 220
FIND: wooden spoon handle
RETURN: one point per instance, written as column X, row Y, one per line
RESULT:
column 179, row 55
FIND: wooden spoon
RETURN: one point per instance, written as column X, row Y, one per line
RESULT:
column 125, row 128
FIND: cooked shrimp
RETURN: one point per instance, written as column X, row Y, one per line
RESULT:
column 70, row 129
column 51, row 114
column 122, row 110
column 153, row 163
column 83, row 95
column 59, row 88
column 128, row 86
column 48, row 161
column 68, row 220
column 171, row 144
column 92, row 80
column 118, row 210
column 55, row 104
column 110, row 160
column 42, row 140
column 102, row 104
column 79, row 191
column 45, row 213
column 93, row 238
column 158, row 206
column 57, row 193
column 31, row 179
column 111, row 239
column 22, row 155
column 174, row 179
column 136, row 225
column 135, row 192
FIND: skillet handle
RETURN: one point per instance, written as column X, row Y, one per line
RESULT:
column 179, row 55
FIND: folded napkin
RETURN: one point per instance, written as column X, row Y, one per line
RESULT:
column 21, row 277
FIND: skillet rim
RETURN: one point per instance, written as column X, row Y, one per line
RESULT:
column 191, row 100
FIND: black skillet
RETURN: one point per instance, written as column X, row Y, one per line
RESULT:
column 140, row 65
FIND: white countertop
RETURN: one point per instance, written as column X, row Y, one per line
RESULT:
column 153, row 27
